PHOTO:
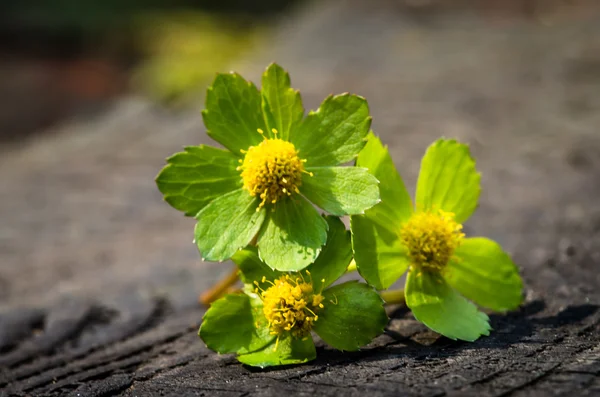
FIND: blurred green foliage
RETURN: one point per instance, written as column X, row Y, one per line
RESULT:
column 183, row 50
column 171, row 47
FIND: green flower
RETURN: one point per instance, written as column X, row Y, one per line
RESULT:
column 443, row 266
column 277, row 163
column 271, row 323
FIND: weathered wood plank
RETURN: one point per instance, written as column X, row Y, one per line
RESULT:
column 99, row 277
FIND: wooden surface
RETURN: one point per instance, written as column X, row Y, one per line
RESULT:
column 99, row 277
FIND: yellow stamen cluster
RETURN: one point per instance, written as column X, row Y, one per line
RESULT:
column 272, row 170
column 431, row 238
column 290, row 305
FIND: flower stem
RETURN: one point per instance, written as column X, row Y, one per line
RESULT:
column 223, row 286
column 395, row 296
column 351, row 267
column 220, row 288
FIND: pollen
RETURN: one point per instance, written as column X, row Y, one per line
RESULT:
column 272, row 170
column 290, row 305
column 431, row 238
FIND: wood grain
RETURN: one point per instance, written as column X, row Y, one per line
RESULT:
column 99, row 278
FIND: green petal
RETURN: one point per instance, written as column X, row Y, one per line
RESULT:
column 335, row 257
column 335, row 133
column 227, row 224
column 282, row 105
column 380, row 256
column 395, row 201
column 435, row 304
column 219, row 335
column 195, row 177
column 341, row 190
column 448, row 180
column 353, row 315
column 233, row 112
column 253, row 269
column 330, row 265
column 289, row 351
column 485, row 274
column 292, row 236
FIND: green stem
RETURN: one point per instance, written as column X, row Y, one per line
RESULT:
column 395, row 296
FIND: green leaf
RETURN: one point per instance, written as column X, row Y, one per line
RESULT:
column 233, row 113
column 219, row 335
column 435, row 304
column 448, row 180
column 485, row 274
column 380, row 255
column 341, row 190
column 282, row 105
column 227, row 224
column 395, row 203
column 252, row 268
column 292, row 236
column 285, row 352
column 353, row 315
column 335, row 257
column 195, row 177
column 335, row 133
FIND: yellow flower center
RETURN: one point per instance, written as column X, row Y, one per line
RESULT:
column 291, row 305
column 431, row 238
column 272, row 170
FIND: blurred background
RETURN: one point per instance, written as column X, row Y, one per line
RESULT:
column 69, row 57
column 99, row 277
column 95, row 94
column 72, row 57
